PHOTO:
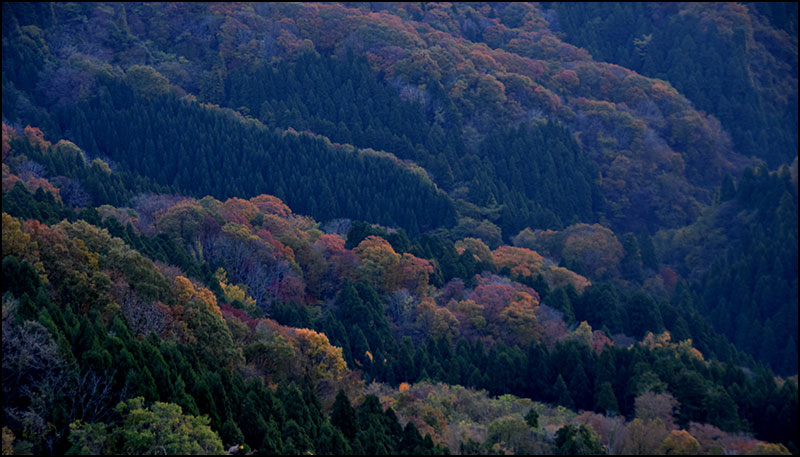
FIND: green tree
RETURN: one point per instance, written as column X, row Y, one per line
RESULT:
column 160, row 428
column 146, row 81
column 532, row 418
column 343, row 416
column 721, row 409
column 511, row 433
column 561, row 393
column 605, row 399
column 578, row 440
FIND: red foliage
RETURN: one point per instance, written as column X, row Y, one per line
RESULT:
column 670, row 279
column 552, row 332
column 600, row 341
column 453, row 290
column 239, row 314
column 494, row 297
column 496, row 293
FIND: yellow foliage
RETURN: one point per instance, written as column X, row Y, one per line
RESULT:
column 687, row 348
column 559, row 276
column 239, row 231
column 222, row 276
column 769, row 449
column 8, row 441
column 657, row 341
column 680, row 442
column 376, row 249
column 146, row 81
column 582, row 333
column 15, row 242
column 480, row 251
column 102, row 165
column 520, row 322
column 183, row 289
column 320, row 359
column 663, row 340
column 68, row 148
column 19, row 244
column 472, row 312
column 234, row 292
column 377, row 256
column 443, row 324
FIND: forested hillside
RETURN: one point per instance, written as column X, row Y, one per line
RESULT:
column 399, row 228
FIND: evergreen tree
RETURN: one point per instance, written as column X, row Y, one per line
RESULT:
column 343, row 416
column 561, row 394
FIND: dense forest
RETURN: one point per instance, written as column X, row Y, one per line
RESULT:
column 400, row 228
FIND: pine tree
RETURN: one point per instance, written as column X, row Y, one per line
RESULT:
column 606, row 400
column 561, row 394
column 343, row 416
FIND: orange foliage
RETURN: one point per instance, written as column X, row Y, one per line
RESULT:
column 482, row 59
column 568, row 78
column 521, row 261
column 333, row 244
column 409, row 272
column 271, row 205
column 519, row 320
column 238, row 210
column 435, row 321
column 36, row 138
column 34, row 184
column 187, row 292
column 8, row 133
column 659, row 90
column 9, row 179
